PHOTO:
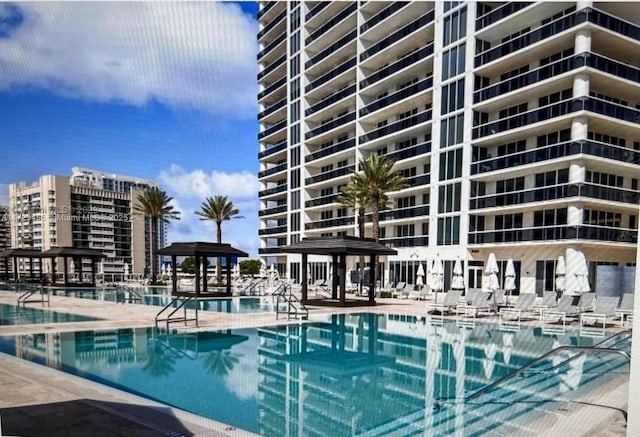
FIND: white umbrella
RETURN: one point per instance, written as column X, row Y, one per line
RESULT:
column 489, row 363
column 71, row 266
column 420, row 276
column 561, row 271
column 507, row 346
column 510, row 277
column 491, row 270
column 126, row 270
column 457, row 282
column 577, row 272
column 163, row 270
column 101, row 268
column 169, row 270
column 437, row 277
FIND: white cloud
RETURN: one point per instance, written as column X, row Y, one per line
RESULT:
column 4, row 194
column 189, row 55
column 200, row 184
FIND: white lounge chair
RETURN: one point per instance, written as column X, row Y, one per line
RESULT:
column 625, row 310
column 482, row 301
column 564, row 309
column 523, row 305
column 419, row 294
column 449, row 303
column 549, row 301
column 605, row 309
column 401, row 290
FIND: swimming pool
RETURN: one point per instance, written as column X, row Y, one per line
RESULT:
column 351, row 374
column 13, row 315
column 159, row 296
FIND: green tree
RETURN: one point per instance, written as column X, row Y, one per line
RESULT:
column 250, row 266
column 377, row 179
column 355, row 196
column 189, row 265
column 153, row 204
column 218, row 209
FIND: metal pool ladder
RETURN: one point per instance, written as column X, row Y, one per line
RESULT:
column 31, row 291
column 295, row 307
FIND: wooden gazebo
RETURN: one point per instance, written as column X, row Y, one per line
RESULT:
column 338, row 248
column 14, row 255
column 74, row 253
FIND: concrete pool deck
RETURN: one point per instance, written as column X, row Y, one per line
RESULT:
column 38, row 400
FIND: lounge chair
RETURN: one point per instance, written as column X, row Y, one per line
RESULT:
column 523, row 305
column 586, row 301
column 499, row 297
column 625, row 310
column 482, row 301
column 605, row 308
column 449, row 303
column 419, row 294
column 470, row 295
column 564, row 309
column 400, row 290
column 549, row 301
column 320, row 285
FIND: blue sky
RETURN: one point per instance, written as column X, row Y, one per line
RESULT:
column 165, row 91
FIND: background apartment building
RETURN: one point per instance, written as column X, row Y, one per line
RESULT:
column 90, row 209
column 5, row 235
column 516, row 125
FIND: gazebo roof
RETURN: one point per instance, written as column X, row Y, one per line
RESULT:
column 201, row 249
column 343, row 245
column 24, row 253
column 72, row 251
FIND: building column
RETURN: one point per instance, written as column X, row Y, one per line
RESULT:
column 582, row 42
column 581, row 4
column 575, row 213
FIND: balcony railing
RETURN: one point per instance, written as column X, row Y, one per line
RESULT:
column 400, row 64
column 342, row 171
column 331, row 23
column 557, row 26
column 271, row 88
column 499, row 13
column 401, row 213
column 331, row 125
column 269, row 250
column 417, row 181
column 397, row 96
column 554, row 151
column 273, row 149
column 612, row 194
column 272, row 45
column 273, row 108
column 330, row 223
column 405, row 123
column 398, row 35
column 273, row 170
column 266, row 9
column 273, row 23
column 550, row 233
column 335, row 148
column 269, row 68
column 324, row 200
column 269, row 191
column 332, row 48
column 316, row 9
column 331, row 74
column 332, row 98
column 406, row 241
column 592, row 104
column 274, row 210
column 418, row 149
column 273, row 129
column 275, row 230
column 383, row 14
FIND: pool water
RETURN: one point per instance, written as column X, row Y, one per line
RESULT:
column 360, row 374
column 13, row 315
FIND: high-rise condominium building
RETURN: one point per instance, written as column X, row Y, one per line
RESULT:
column 5, row 235
column 515, row 124
column 90, row 209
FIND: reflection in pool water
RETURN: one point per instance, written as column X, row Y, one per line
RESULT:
column 13, row 315
column 351, row 374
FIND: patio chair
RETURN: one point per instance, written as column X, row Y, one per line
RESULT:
column 449, row 303
column 400, row 290
column 499, row 297
column 586, row 301
column 605, row 308
column 549, row 300
column 625, row 310
column 419, row 294
column 320, row 285
column 524, row 304
column 564, row 309
column 470, row 295
column 482, row 301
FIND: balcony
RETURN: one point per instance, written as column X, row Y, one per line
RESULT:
column 324, row 200
column 273, row 108
column 273, row 149
column 269, row 250
column 555, row 151
column 271, row 231
column 409, row 152
column 345, row 66
column 499, row 13
column 331, row 49
column 330, row 223
column 551, row 233
column 272, row 45
column 271, row 211
column 611, row 194
column 401, row 213
column 398, row 35
column 331, row 23
column 273, row 66
column 400, row 125
column 400, row 64
column 273, row 23
column 406, row 241
column 273, row 129
column 271, row 88
column 316, row 9
column 273, row 170
column 380, row 16
column 586, row 59
column 267, row 8
column 332, row 98
column 331, row 125
column 342, row 171
column 335, row 148
column 269, row 191
column 418, row 181
column 590, row 15
column 598, row 106
column 397, row 96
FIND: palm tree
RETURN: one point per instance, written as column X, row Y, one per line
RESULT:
column 218, row 209
column 377, row 178
column 354, row 196
column 154, row 205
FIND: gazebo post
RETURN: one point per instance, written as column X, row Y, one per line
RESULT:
column 30, row 269
column 174, row 275
column 93, row 271
column 53, row 271
column 334, row 279
column 204, row 273
column 304, row 278
column 197, row 257
column 40, row 269
column 15, row 269
column 80, row 275
column 66, row 269
column 343, row 281
column 228, row 262
column 372, row 280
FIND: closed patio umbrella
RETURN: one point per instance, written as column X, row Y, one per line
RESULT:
column 489, row 362
column 126, row 270
column 437, row 277
column 491, row 270
column 561, row 279
column 457, row 281
column 420, row 276
column 577, row 275
column 510, row 277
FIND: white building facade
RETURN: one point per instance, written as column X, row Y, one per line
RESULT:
column 516, row 126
